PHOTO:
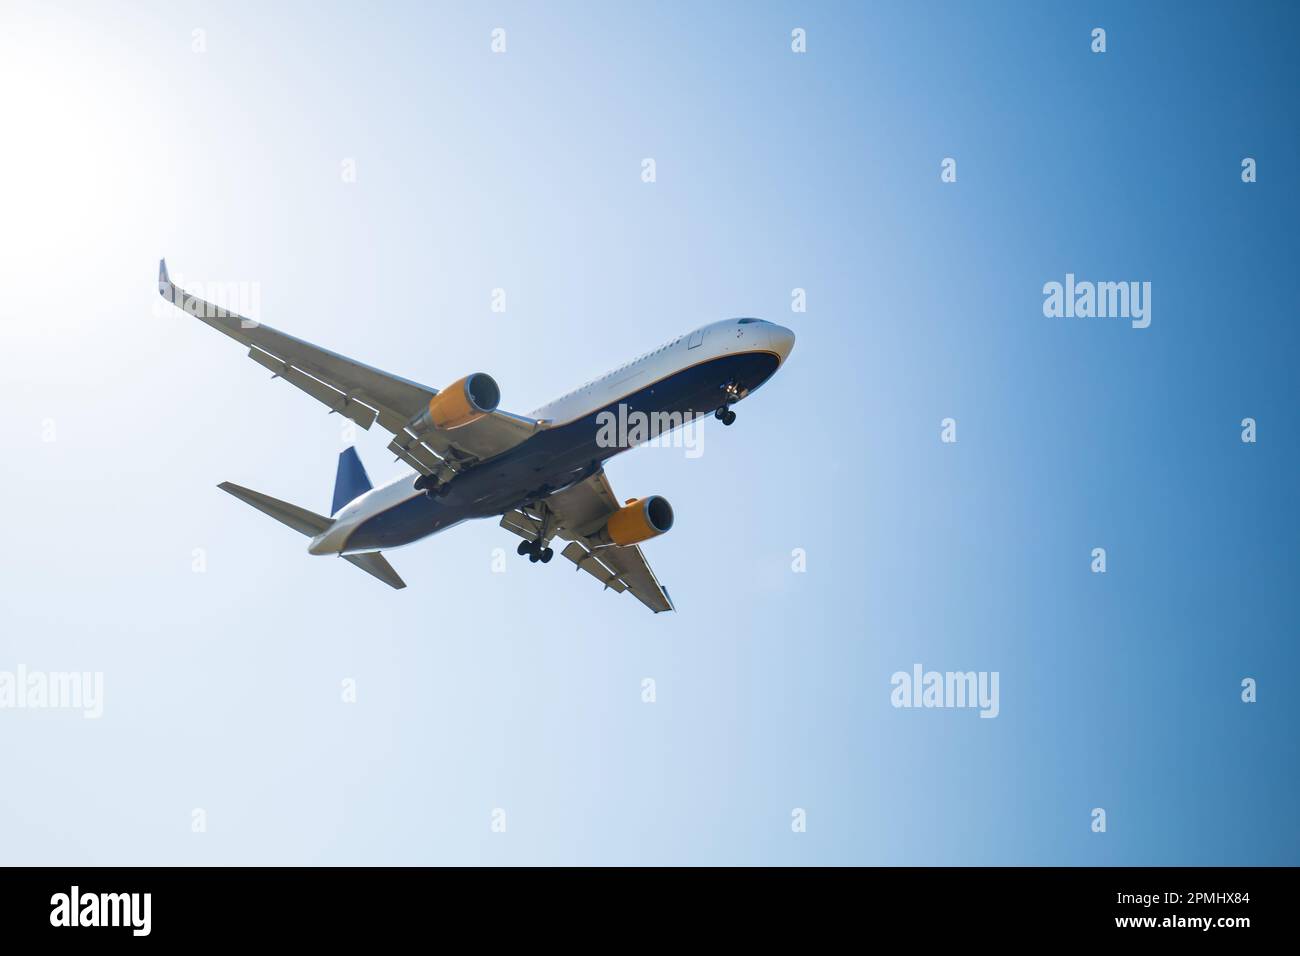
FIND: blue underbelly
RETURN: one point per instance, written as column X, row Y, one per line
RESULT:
column 557, row 456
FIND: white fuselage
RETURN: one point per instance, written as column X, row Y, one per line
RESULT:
column 704, row 344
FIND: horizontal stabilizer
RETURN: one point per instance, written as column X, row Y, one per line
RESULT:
column 374, row 563
column 311, row 524
column 299, row 519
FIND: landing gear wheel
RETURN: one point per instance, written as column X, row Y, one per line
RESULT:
column 431, row 488
column 535, row 551
column 728, row 417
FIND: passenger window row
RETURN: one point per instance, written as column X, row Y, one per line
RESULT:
column 583, row 388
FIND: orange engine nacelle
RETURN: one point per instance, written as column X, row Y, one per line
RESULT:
column 639, row 520
column 460, row 403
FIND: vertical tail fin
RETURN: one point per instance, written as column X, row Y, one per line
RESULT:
column 351, row 480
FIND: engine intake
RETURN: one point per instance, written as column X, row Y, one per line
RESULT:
column 639, row 520
column 463, row 401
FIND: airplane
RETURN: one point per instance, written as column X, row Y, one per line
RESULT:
column 542, row 474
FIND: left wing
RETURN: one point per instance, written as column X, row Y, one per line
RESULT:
column 362, row 393
column 576, row 514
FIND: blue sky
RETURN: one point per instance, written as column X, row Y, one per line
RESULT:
column 522, row 691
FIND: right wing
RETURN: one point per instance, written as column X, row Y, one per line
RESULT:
column 577, row 513
column 361, row 393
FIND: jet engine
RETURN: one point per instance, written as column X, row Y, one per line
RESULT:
column 639, row 520
column 463, row 401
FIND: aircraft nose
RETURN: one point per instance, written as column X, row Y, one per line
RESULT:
column 782, row 341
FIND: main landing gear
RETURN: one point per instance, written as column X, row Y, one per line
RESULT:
column 429, row 485
column 535, row 551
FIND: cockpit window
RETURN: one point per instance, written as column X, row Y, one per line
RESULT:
column 746, row 321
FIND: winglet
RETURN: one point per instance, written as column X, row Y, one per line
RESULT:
column 165, row 286
column 669, row 597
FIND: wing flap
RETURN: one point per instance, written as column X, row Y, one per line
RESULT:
column 630, row 565
column 521, row 524
column 328, row 396
column 587, row 561
column 415, row 455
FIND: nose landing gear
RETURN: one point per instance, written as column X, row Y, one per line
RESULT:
column 732, row 393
